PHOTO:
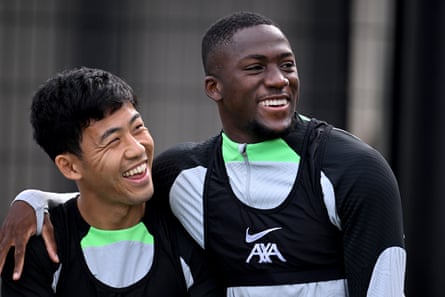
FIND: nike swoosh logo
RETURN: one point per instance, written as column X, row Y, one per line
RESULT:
column 254, row 237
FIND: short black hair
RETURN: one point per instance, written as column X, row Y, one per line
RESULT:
column 221, row 32
column 66, row 104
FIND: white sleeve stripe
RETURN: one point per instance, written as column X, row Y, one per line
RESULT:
column 329, row 200
column 39, row 201
column 187, row 274
column 388, row 276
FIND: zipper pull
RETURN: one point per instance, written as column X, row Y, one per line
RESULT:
column 242, row 148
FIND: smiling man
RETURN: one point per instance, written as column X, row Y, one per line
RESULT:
column 111, row 241
column 257, row 63
column 286, row 205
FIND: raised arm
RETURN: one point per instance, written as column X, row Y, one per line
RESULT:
column 25, row 218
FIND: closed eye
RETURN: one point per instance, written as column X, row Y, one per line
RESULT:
column 140, row 127
column 113, row 141
column 254, row 68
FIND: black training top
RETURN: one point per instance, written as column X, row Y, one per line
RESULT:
column 153, row 258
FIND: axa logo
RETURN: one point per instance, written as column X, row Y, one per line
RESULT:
column 263, row 252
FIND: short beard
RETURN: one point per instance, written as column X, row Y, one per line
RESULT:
column 263, row 133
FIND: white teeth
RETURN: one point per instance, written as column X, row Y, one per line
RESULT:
column 137, row 170
column 274, row 102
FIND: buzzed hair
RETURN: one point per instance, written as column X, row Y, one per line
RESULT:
column 221, row 32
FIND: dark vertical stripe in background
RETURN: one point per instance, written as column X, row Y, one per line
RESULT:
column 419, row 144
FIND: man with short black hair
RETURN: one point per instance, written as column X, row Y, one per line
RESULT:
column 111, row 240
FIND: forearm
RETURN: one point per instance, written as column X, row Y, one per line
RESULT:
column 39, row 201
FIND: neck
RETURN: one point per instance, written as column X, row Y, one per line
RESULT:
column 256, row 132
column 109, row 216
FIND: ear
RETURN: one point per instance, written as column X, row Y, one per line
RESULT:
column 68, row 166
column 213, row 88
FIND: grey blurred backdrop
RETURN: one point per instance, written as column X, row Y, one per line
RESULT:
column 374, row 68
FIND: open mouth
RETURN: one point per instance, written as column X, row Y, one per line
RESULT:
column 135, row 171
column 274, row 102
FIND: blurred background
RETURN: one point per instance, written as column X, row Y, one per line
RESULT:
column 375, row 68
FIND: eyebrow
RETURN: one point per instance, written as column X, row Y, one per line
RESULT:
column 110, row 131
column 264, row 57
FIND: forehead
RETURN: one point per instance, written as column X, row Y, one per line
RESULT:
column 258, row 39
column 121, row 117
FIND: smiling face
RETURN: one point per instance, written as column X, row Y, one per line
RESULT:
column 117, row 155
column 255, row 83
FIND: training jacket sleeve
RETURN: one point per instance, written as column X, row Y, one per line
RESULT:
column 369, row 208
column 41, row 201
column 166, row 167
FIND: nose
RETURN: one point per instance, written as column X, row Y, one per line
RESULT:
column 276, row 78
column 134, row 148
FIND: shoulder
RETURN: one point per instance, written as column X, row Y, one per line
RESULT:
column 346, row 150
column 169, row 233
column 350, row 164
column 170, row 163
column 64, row 217
column 359, row 173
column 187, row 152
column 343, row 156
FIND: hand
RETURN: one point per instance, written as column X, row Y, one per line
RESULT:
column 18, row 226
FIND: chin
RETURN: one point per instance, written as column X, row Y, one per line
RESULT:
column 266, row 132
column 142, row 197
column 149, row 194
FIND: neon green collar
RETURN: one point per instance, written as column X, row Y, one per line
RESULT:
column 275, row 150
column 98, row 237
